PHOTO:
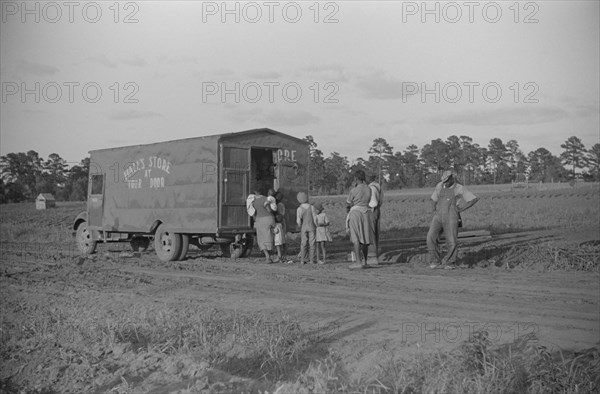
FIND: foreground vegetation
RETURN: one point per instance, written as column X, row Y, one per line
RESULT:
column 102, row 352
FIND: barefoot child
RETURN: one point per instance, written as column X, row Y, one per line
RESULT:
column 280, row 229
column 323, row 234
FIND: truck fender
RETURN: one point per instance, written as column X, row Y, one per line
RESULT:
column 155, row 226
column 82, row 217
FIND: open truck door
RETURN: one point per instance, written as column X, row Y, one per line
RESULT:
column 234, row 187
column 292, row 178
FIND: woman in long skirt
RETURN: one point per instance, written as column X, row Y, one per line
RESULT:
column 360, row 220
column 264, row 223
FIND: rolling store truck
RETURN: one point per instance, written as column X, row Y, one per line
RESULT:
column 189, row 191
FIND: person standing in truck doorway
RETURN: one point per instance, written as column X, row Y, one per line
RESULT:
column 264, row 223
column 446, row 213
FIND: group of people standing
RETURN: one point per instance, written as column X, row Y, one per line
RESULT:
column 269, row 221
column 362, row 222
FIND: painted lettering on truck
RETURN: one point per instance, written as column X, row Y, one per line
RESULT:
column 147, row 165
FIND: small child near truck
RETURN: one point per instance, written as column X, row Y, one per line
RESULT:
column 323, row 234
column 280, row 229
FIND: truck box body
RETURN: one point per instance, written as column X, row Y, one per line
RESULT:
column 195, row 185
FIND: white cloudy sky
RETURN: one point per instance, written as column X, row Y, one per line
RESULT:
column 368, row 61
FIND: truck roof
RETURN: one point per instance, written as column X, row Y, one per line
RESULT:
column 226, row 135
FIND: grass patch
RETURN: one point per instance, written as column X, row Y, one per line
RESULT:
column 524, row 366
column 92, row 350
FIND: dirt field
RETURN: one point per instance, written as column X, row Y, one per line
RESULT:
column 72, row 324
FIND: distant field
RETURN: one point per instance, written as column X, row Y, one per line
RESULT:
column 498, row 211
column 404, row 210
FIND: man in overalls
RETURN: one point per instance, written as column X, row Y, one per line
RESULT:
column 446, row 210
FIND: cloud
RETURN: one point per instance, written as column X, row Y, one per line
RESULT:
column 585, row 110
column 324, row 73
column 37, row 69
column 35, row 111
column 380, row 86
column 133, row 114
column 243, row 115
column 135, row 61
column 290, row 118
column 274, row 117
column 579, row 106
column 102, row 60
column 223, row 72
column 265, row 75
column 503, row 116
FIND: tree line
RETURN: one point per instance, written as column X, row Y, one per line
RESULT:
column 24, row 175
column 499, row 162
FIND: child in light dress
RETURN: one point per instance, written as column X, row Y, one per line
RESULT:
column 323, row 234
column 280, row 229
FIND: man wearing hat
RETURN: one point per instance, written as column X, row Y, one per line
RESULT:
column 445, row 202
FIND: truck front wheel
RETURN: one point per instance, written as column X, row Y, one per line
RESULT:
column 167, row 244
column 83, row 236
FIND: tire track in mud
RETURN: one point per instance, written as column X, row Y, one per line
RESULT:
column 560, row 307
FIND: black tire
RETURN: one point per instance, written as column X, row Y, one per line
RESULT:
column 140, row 244
column 185, row 245
column 167, row 244
column 232, row 250
column 83, row 237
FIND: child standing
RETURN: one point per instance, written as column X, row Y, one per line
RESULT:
column 306, row 219
column 280, row 229
column 323, row 234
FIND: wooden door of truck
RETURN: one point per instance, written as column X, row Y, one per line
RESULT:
column 235, row 176
column 95, row 203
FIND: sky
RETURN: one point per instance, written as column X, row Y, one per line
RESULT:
column 79, row 76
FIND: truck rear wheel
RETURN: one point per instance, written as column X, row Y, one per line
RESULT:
column 83, row 236
column 232, row 249
column 185, row 245
column 167, row 244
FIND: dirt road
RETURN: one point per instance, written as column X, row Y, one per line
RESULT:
column 398, row 308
